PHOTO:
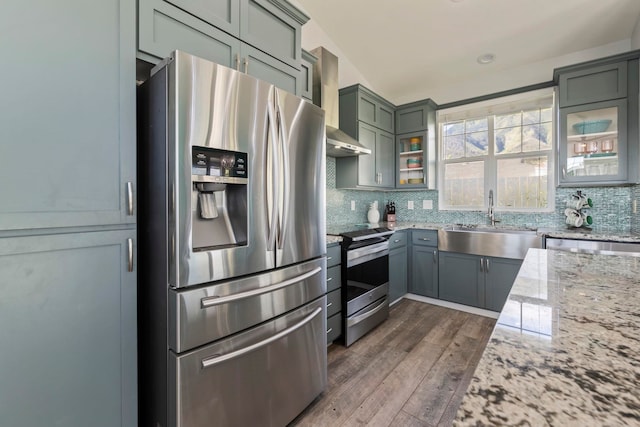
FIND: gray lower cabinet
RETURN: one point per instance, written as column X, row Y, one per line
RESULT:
column 500, row 273
column 334, row 296
column 461, row 280
column 483, row 282
column 252, row 36
column 67, row 155
column 68, row 330
column 424, row 263
column 398, row 261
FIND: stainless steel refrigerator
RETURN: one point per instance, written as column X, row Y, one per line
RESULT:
column 232, row 320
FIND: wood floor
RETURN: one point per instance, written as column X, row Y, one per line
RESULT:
column 412, row 370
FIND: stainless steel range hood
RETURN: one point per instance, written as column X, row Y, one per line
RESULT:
column 325, row 95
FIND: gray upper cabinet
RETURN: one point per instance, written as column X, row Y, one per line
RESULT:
column 592, row 84
column 598, row 126
column 372, row 170
column 369, row 119
column 163, row 28
column 359, row 103
column 306, row 75
column 69, row 330
column 259, row 37
column 67, row 156
column 224, row 14
column 416, row 116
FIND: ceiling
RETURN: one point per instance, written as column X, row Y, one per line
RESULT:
column 408, row 49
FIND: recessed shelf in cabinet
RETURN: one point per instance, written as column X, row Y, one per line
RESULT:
column 410, row 153
column 591, row 136
column 411, row 169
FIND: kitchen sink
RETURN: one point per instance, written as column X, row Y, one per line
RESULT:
column 488, row 241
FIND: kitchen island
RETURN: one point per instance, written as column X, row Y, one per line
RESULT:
column 566, row 347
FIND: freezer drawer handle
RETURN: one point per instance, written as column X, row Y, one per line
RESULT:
column 357, row 319
column 217, row 300
column 214, row 360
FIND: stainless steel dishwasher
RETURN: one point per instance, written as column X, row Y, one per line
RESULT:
column 593, row 246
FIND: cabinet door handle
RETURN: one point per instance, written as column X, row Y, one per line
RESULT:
column 329, row 304
column 129, row 255
column 426, row 239
column 246, row 65
column 481, row 262
column 237, row 62
column 486, row 265
column 329, row 331
column 435, row 256
column 129, row 198
column 329, row 279
column 396, row 240
column 329, row 257
column 564, row 172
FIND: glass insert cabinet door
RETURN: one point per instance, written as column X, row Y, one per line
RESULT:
column 411, row 160
column 593, row 144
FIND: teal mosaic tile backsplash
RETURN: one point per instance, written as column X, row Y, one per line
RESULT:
column 612, row 209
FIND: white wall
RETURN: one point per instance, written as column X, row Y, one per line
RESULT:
column 635, row 36
column 512, row 78
column 496, row 81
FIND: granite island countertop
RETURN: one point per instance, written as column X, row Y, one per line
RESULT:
column 565, row 350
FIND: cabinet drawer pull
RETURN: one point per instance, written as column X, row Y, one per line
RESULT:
column 329, row 279
column 129, row 255
column 396, row 241
column 129, row 198
column 425, row 239
column 329, row 258
column 329, row 331
column 329, row 304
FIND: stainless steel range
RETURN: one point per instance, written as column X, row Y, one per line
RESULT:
column 365, row 281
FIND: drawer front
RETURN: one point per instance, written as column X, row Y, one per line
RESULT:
column 425, row 237
column 198, row 316
column 333, row 255
column 334, row 327
column 290, row 348
column 398, row 240
column 334, row 278
column 333, row 302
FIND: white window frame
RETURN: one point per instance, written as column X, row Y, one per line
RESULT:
column 492, row 107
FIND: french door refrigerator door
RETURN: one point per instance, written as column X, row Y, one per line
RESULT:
column 264, row 376
column 215, row 107
column 301, row 177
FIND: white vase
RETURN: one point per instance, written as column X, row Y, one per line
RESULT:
column 373, row 216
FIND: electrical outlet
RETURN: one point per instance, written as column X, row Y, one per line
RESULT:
column 353, row 205
column 410, row 205
column 427, row 204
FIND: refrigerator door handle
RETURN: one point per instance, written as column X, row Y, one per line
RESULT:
column 217, row 300
column 271, row 168
column 215, row 359
column 283, row 142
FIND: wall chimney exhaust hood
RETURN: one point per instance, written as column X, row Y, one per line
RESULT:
column 325, row 95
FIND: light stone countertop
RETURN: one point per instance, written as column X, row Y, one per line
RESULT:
column 565, row 350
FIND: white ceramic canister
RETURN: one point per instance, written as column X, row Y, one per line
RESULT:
column 373, row 215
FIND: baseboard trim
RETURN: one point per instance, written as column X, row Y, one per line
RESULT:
column 453, row 305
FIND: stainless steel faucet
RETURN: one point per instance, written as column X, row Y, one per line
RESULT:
column 491, row 213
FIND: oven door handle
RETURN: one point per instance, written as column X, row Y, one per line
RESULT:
column 362, row 317
column 360, row 255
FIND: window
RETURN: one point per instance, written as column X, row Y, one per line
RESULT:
column 505, row 145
